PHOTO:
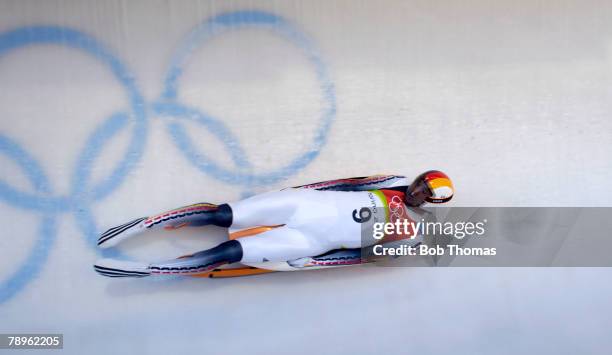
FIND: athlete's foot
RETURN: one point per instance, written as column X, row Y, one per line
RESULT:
column 201, row 262
column 198, row 214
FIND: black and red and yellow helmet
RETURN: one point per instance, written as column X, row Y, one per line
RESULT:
column 432, row 186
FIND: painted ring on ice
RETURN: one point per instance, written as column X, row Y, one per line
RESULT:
column 237, row 20
column 62, row 36
column 47, row 230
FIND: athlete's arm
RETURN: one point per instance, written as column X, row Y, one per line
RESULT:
column 363, row 183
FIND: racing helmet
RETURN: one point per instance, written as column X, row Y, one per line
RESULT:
column 432, row 186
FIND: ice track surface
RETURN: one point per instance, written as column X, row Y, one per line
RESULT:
column 119, row 109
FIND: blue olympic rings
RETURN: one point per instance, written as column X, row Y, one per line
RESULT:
column 46, row 230
column 200, row 36
column 83, row 193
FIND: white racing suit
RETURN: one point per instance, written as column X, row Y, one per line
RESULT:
column 323, row 224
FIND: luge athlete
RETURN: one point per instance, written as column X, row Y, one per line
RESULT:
column 316, row 225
